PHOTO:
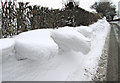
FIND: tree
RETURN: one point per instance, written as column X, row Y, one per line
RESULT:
column 71, row 4
column 107, row 8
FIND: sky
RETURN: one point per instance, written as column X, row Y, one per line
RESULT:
column 59, row 3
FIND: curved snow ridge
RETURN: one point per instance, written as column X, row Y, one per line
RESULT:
column 67, row 39
column 6, row 48
column 100, row 25
column 35, row 45
column 85, row 30
column 42, row 44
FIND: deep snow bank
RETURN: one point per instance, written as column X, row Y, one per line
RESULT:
column 100, row 26
column 85, row 30
column 67, row 39
column 6, row 48
column 35, row 45
column 68, row 66
column 87, row 70
column 42, row 44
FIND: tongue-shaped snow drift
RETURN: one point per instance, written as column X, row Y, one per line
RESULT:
column 35, row 45
column 68, row 39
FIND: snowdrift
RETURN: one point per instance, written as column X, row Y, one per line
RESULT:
column 42, row 44
column 85, row 30
column 6, row 48
column 80, row 52
column 35, row 45
column 103, row 25
column 68, row 39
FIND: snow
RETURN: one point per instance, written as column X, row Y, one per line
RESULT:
column 86, row 31
column 68, row 39
column 45, row 63
column 6, row 48
column 0, row 65
column 86, row 71
column 35, row 45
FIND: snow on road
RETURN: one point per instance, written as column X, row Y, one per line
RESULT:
column 78, row 60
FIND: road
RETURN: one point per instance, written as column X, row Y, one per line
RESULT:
column 113, row 68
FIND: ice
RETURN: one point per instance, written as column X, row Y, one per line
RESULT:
column 67, row 39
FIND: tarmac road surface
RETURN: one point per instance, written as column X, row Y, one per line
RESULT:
column 113, row 67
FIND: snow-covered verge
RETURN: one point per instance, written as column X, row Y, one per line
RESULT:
column 6, row 48
column 64, row 54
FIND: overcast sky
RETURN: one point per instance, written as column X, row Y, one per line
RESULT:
column 58, row 3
